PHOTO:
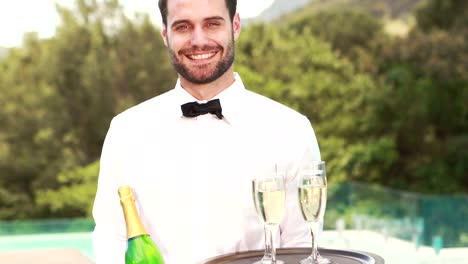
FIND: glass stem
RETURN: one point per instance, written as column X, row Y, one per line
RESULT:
column 314, row 229
column 270, row 249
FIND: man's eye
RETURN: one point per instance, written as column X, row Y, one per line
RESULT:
column 181, row 27
column 213, row 24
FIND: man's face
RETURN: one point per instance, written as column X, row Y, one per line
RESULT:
column 200, row 38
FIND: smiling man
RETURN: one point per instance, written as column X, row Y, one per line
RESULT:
column 190, row 154
column 200, row 38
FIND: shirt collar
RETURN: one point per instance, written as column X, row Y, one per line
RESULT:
column 230, row 98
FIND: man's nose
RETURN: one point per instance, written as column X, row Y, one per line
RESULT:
column 199, row 37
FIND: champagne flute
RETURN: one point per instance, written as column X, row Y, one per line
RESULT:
column 313, row 200
column 269, row 195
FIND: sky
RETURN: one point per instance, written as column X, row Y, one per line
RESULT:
column 20, row 16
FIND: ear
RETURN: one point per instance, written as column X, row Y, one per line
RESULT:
column 236, row 26
column 164, row 34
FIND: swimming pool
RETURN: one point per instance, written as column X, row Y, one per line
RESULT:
column 80, row 241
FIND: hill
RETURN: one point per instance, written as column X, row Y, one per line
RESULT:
column 278, row 9
column 390, row 9
column 385, row 9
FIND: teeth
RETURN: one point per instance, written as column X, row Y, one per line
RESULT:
column 201, row 56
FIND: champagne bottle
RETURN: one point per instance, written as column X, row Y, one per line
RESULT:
column 140, row 249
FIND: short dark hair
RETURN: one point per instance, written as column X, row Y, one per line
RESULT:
column 230, row 4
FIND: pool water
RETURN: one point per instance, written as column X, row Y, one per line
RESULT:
column 80, row 241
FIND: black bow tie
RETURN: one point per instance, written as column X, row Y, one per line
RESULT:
column 194, row 109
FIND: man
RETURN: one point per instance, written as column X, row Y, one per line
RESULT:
column 192, row 172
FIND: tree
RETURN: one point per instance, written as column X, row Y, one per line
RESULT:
column 426, row 76
column 302, row 72
column 354, row 35
column 443, row 15
column 58, row 97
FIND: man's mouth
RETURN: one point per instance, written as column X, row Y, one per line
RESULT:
column 203, row 56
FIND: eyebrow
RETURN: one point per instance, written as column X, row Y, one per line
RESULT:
column 181, row 21
column 214, row 18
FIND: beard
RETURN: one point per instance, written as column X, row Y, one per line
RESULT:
column 202, row 74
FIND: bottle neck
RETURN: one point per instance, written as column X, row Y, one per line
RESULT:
column 133, row 222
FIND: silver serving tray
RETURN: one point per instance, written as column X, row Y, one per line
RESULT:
column 294, row 255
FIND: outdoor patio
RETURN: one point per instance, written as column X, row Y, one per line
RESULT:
column 45, row 256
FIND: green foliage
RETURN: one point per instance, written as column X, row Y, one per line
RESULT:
column 76, row 192
column 59, row 95
column 346, row 30
column 442, row 15
column 329, row 91
column 387, row 111
column 425, row 74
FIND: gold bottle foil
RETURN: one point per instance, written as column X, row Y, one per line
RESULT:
column 132, row 219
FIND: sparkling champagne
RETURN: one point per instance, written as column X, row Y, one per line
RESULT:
column 313, row 200
column 140, row 249
column 269, row 201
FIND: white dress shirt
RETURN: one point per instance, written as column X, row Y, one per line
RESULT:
column 192, row 177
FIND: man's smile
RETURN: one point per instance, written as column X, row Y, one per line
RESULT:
column 202, row 56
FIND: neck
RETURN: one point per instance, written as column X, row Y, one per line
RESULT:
column 208, row 90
